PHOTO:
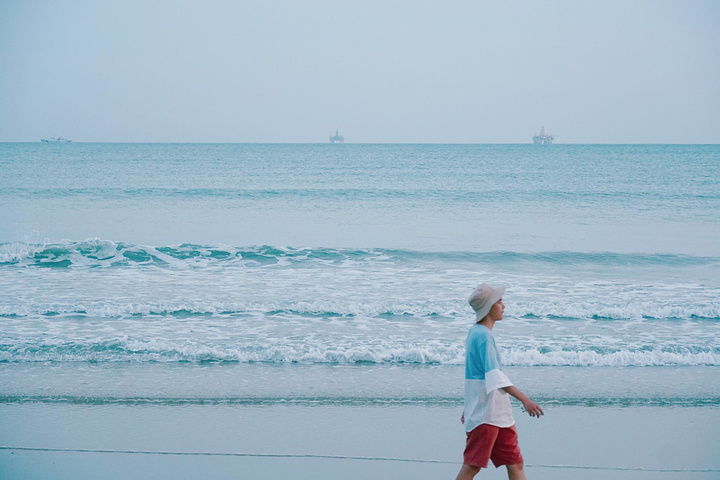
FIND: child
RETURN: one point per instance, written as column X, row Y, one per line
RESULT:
column 489, row 424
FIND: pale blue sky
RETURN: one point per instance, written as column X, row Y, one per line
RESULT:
column 380, row 71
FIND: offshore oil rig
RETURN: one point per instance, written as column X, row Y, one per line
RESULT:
column 55, row 140
column 337, row 138
column 543, row 138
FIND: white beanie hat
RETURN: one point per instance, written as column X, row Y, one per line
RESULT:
column 483, row 298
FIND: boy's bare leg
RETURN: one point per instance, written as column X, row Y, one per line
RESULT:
column 516, row 472
column 467, row 472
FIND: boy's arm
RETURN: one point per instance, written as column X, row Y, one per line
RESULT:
column 531, row 407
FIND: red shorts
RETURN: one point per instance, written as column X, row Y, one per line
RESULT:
column 488, row 442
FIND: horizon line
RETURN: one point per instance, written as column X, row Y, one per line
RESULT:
column 345, row 143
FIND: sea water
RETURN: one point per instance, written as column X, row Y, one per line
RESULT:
column 320, row 275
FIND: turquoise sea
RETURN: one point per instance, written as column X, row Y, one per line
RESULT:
column 237, row 277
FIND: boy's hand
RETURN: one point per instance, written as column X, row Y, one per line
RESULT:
column 532, row 408
column 462, row 418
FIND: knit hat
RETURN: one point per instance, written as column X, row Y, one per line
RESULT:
column 483, row 298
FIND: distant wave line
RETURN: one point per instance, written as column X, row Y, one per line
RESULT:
column 378, row 193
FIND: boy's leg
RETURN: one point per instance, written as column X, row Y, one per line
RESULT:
column 467, row 472
column 516, row 472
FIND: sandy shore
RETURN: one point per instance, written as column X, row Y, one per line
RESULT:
column 567, row 435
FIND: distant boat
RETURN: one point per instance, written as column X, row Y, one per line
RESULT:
column 543, row 138
column 337, row 138
column 55, row 140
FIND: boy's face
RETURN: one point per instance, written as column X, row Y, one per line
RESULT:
column 496, row 311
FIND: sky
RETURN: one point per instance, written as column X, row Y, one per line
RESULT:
column 379, row 71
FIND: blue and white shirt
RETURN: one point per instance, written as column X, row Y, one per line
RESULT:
column 484, row 401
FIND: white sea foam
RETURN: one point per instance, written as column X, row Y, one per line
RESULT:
column 619, row 311
column 620, row 358
column 134, row 350
column 18, row 251
column 447, row 309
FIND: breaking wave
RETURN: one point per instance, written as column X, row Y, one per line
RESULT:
column 107, row 253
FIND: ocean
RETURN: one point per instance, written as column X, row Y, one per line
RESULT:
column 245, row 276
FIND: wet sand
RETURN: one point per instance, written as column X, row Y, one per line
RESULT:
column 568, row 435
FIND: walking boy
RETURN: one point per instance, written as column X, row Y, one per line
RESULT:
column 489, row 424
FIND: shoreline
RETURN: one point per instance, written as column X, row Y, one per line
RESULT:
column 349, row 385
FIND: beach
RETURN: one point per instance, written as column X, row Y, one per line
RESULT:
column 581, row 436
column 300, row 311
column 322, row 415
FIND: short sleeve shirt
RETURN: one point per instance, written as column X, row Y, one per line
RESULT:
column 484, row 401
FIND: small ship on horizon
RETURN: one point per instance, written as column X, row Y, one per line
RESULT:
column 55, row 140
column 543, row 138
